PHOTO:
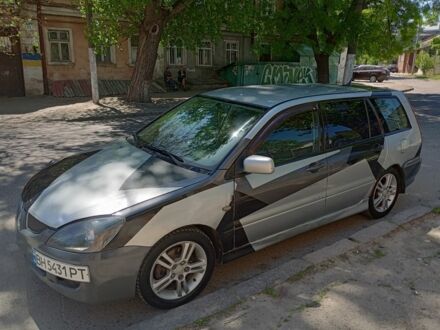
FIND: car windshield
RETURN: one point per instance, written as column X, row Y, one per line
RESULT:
column 201, row 131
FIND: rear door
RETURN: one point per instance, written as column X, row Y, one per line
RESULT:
column 268, row 207
column 353, row 132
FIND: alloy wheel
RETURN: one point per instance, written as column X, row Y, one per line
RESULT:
column 178, row 270
column 385, row 192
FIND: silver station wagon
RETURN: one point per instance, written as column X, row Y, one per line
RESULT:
column 226, row 173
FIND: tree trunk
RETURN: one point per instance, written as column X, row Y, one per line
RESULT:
column 355, row 11
column 149, row 38
column 350, row 61
column 92, row 56
column 323, row 68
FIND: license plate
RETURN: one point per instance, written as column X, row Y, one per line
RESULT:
column 61, row 269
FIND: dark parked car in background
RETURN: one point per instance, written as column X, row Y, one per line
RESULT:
column 393, row 68
column 372, row 73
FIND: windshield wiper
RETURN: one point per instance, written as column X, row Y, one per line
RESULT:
column 176, row 159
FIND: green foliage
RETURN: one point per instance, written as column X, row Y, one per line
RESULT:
column 113, row 19
column 435, row 45
column 431, row 11
column 325, row 26
column 272, row 292
column 201, row 19
column 381, row 29
column 387, row 28
column 424, row 62
column 206, row 20
column 10, row 18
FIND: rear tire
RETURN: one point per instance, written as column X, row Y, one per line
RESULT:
column 384, row 194
column 176, row 269
column 373, row 79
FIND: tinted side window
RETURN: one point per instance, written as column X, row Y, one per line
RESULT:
column 297, row 137
column 394, row 116
column 346, row 122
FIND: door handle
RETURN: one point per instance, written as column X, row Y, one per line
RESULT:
column 315, row 167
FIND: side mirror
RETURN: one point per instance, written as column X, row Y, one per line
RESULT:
column 258, row 164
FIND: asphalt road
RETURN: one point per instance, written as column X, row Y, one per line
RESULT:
column 27, row 144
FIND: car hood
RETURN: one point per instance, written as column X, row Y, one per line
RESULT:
column 103, row 182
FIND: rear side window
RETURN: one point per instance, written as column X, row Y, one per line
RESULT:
column 392, row 114
column 296, row 137
column 375, row 129
column 346, row 122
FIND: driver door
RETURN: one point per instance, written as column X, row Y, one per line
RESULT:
column 272, row 207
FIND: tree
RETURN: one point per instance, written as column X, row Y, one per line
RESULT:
column 329, row 26
column 163, row 20
column 9, row 14
column 424, row 62
column 387, row 28
column 435, row 45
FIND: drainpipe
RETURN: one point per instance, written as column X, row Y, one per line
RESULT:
column 42, row 48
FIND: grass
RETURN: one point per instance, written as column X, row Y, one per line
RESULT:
column 436, row 210
column 202, row 322
column 300, row 275
column 271, row 292
column 433, row 77
column 378, row 253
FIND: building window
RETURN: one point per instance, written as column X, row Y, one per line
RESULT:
column 133, row 47
column 232, row 52
column 59, row 45
column 176, row 53
column 105, row 55
column 204, row 54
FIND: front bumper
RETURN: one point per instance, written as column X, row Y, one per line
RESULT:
column 113, row 273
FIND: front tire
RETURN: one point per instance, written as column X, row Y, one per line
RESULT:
column 176, row 269
column 373, row 79
column 384, row 195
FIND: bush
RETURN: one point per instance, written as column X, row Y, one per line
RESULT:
column 424, row 62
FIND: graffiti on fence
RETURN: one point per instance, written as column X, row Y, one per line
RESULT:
column 274, row 73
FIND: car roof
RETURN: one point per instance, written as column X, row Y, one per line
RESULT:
column 268, row 96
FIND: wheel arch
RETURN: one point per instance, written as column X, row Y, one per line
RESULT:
column 212, row 234
column 399, row 170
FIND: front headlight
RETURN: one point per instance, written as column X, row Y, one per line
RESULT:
column 90, row 235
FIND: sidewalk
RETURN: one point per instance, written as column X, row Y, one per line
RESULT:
column 393, row 83
column 80, row 108
column 390, row 284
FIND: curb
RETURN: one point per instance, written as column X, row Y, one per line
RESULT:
column 223, row 298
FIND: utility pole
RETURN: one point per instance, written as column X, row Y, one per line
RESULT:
column 92, row 56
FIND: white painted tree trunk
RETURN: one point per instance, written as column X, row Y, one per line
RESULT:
column 348, row 69
column 92, row 56
column 93, row 76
